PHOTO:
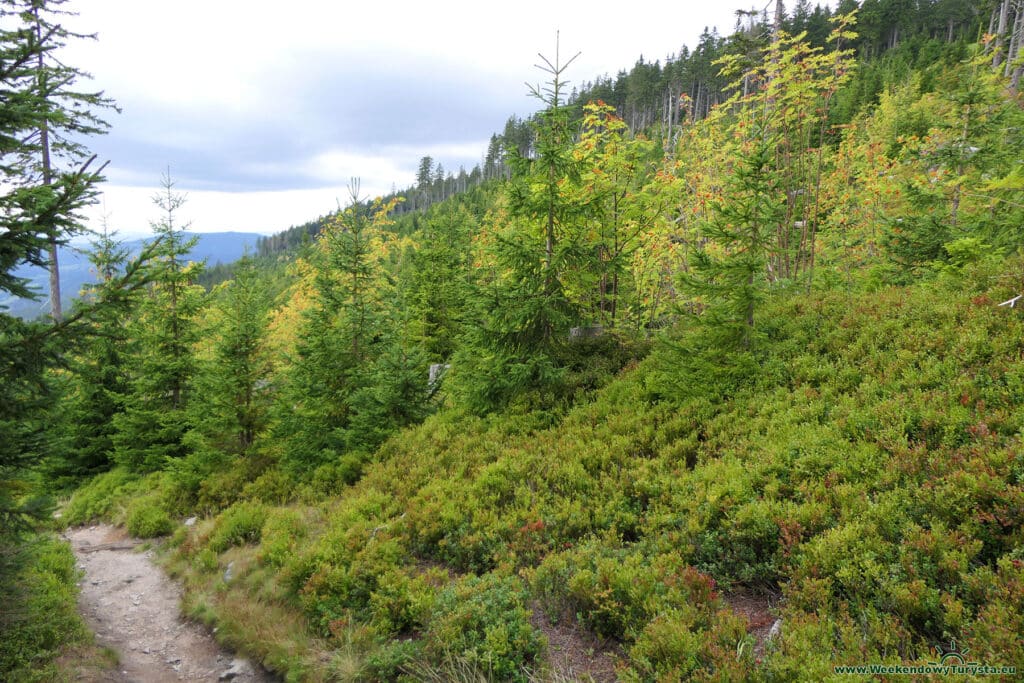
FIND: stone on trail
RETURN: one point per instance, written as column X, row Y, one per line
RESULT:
column 239, row 667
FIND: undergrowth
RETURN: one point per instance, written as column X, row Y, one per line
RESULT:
column 865, row 466
column 43, row 636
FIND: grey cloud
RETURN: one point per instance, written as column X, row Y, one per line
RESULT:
column 361, row 106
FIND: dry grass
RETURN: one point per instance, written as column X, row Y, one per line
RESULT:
column 88, row 664
column 250, row 616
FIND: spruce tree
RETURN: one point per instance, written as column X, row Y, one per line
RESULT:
column 31, row 213
column 340, row 334
column 98, row 375
column 760, row 222
column 523, row 311
column 232, row 405
column 439, row 274
column 728, row 273
column 155, row 419
column 66, row 114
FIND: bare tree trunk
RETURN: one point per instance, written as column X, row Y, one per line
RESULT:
column 56, row 311
column 1014, row 49
column 1004, row 10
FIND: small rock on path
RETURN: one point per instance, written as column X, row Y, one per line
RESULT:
column 133, row 607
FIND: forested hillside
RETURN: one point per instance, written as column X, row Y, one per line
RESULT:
column 712, row 371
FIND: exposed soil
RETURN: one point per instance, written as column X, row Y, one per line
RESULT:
column 133, row 607
column 758, row 611
column 574, row 653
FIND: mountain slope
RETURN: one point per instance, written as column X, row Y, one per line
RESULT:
column 863, row 471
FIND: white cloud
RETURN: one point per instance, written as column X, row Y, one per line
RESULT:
column 130, row 210
column 249, row 95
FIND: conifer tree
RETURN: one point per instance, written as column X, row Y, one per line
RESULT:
column 340, row 334
column 959, row 177
column 98, row 377
column 523, row 310
column 65, row 114
column 395, row 388
column 155, row 419
column 760, row 223
column 31, row 212
column 233, row 402
column 439, row 281
column 728, row 273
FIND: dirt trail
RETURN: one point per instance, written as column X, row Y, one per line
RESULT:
column 133, row 608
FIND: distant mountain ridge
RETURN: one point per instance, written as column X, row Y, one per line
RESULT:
column 76, row 271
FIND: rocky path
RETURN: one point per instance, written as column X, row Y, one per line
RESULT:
column 133, row 608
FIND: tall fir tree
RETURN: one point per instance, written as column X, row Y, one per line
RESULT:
column 151, row 429
column 66, row 113
column 98, row 375
column 232, row 406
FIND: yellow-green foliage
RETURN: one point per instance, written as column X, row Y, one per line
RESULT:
column 867, row 471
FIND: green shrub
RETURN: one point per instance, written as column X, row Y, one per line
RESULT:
column 669, row 649
column 282, row 531
column 402, row 603
column 484, row 620
column 147, row 519
column 101, row 496
column 271, row 487
column 218, row 490
column 240, row 523
column 391, row 660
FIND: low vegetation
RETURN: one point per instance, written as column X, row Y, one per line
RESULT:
column 867, row 473
column 729, row 394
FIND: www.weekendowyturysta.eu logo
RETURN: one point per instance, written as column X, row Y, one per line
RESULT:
column 951, row 655
column 953, row 660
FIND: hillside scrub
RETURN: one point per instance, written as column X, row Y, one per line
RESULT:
column 868, row 472
column 642, row 377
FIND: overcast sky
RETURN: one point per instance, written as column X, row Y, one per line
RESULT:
column 264, row 111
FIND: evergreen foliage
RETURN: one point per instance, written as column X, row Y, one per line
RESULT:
column 67, row 114
column 98, row 375
column 353, row 377
column 232, row 403
column 440, row 280
column 151, row 429
column 794, row 372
